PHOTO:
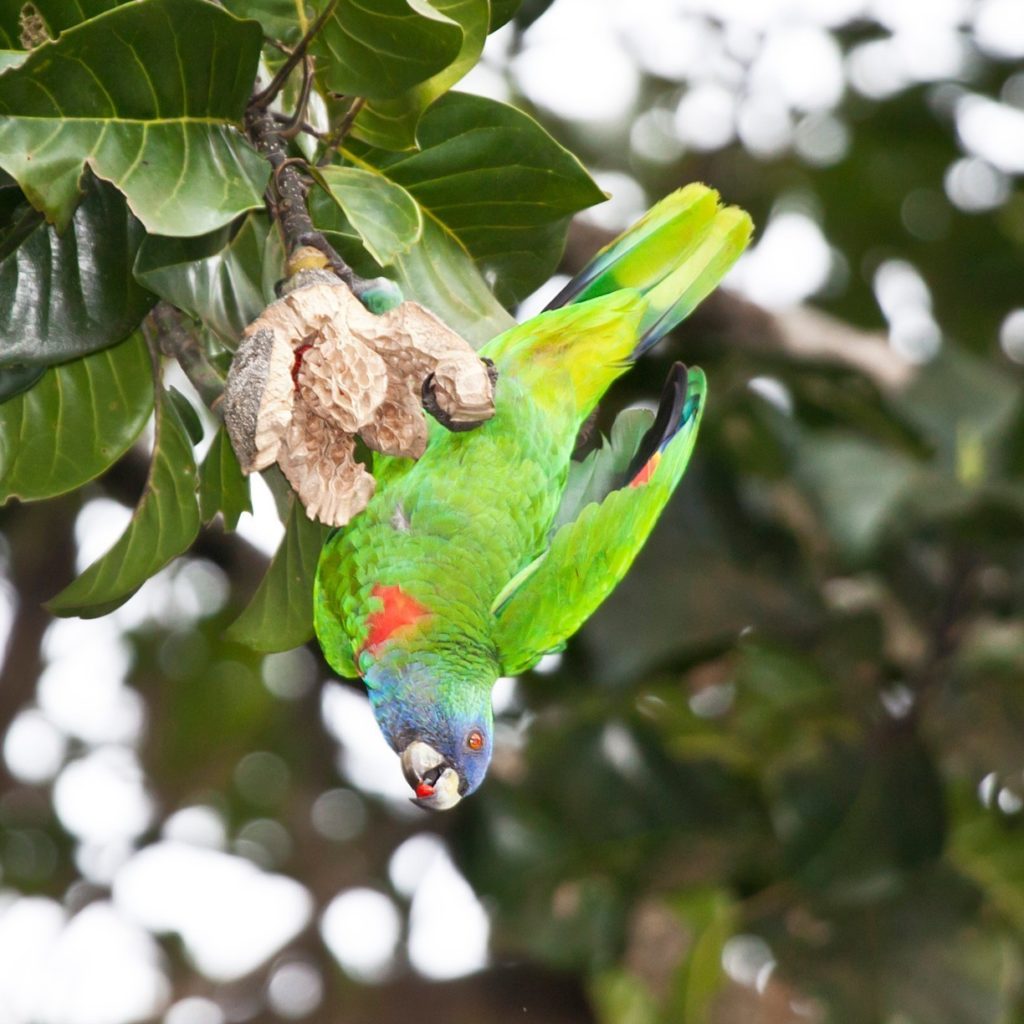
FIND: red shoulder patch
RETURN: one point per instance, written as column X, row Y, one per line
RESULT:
column 399, row 610
column 647, row 471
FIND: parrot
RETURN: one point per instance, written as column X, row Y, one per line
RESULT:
column 495, row 546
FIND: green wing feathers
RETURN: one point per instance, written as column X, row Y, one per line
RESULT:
column 586, row 559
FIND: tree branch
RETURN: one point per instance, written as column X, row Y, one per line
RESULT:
column 175, row 336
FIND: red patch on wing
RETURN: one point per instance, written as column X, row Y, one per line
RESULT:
column 399, row 610
column 647, row 471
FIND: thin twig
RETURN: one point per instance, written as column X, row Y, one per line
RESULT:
column 337, row 134
column 292, row 127
column 174, row 336
column 267, row 96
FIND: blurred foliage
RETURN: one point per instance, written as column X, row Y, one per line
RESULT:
column 779, row 776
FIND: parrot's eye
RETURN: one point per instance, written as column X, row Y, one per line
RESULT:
column 475, row 740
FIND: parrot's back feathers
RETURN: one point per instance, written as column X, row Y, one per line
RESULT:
column 674, row 256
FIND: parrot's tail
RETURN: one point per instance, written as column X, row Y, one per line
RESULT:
column 675, row 255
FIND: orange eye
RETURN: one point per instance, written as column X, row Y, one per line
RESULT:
column 475, row 740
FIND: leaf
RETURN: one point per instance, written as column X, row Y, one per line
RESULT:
column 280, row 614
column 858, row 486
column 142, row 95
column 435, row 271
column 278, row 17
column 75, row 423
column 380, row 50
column 56, row 15
column 11, row 59
column 222, row 487
column 385, row 215
column 391, row 124
column 16, row 379
column 502, row 11
column 165, row 523
column 224, row 279
column 189, row 417
column 66, row 294
column 493, row 180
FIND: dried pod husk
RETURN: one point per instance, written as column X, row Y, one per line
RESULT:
column 318, row 460
column 259, row 397
column 317, row 368
column 343, row 379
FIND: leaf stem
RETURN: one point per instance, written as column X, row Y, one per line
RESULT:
column 168, row 330
column 267, row 96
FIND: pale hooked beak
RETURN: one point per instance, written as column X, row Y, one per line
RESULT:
column 433, row 780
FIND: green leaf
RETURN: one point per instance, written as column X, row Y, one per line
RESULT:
column 280, row 615
column 56, row 15
column 278, row 17
column 387, row 218
column 189, row 417
column 16, row 379
column 502, row 12
column 165, row 523
column 391, row 124
column 142, row 95
column 66, row 294
column 435, row 271
column 493, row 180
column 380, row 50
column 75, row 423
column 11, row 59
column 224, row 279
column 222, row 486
column 858, row 486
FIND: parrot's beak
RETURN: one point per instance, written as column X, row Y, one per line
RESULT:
column 433, row 780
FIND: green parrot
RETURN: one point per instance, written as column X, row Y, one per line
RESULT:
column 495, row 546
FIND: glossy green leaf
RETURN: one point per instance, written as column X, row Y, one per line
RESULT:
column 391, row 124
column 165, row 523
column 278, row 17
column 16, row 379
column 144, row 95
column 189, row 417
column 496, row 182
column 11, row 59
column 502, row 11
column 280, row 615
column 380, row 50
column 55, row 16
column 75, row 423
column 65, row 294
column 224, row 279
column 387, row 218
column 222, row 486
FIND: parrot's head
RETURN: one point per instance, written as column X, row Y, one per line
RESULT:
column 442, row 728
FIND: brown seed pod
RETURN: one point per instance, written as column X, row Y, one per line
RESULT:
column 317, row 368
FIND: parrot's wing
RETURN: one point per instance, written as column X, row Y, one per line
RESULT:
column 589, row 554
